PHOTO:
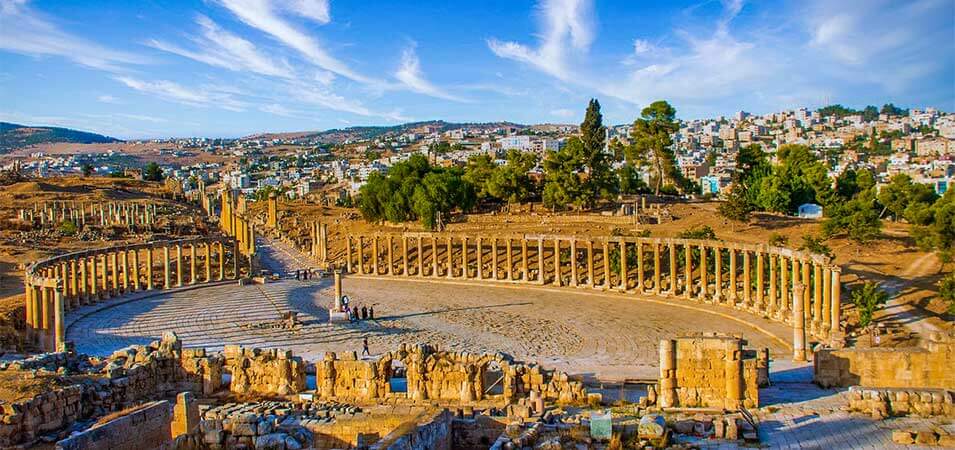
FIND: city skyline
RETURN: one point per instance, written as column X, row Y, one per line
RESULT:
column 229, row 68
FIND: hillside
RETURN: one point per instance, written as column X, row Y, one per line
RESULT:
column 14, row 136
column 339, row 135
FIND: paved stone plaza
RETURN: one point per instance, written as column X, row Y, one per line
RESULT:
column 585, row 332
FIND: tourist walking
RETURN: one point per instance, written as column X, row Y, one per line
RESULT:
column 364, row 313
column 364, row 346
column 371, row 312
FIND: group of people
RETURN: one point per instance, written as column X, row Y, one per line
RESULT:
column 302, row 274
column 355, row 314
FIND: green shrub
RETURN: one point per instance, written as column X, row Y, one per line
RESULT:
column 68, row 228
column 868, row 299
column 946, row 291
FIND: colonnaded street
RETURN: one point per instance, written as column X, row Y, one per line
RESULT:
column 587, row 332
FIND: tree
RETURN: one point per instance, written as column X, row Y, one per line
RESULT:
column 901, row 193
column 939, row 234
column 736, row 207
column 868, row 299
column 856, row 218
column 87, row 169
column 946, row 291
column 478, row 170
column 152, row 172
column 593, row 135
column 562, row 176
column 893, row 110
column 510, row 182
column 651, row 141
column 629, row 180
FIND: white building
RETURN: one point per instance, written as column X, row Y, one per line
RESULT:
column 522, row 143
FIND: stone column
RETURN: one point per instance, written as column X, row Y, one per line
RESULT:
column 688, row 270
column 348, row 253
column 208, row 246
column 771, row 304
column 557, row 272
column 135, row 263
column 114, row 260
column 47, row 337
column 94, row 294
column 541, row 274
column 494, row 258
column 783, row 287
column 574, row 281
column 420, row 255
column 221, row 254
column 590, row 263
column 59, row 319
column 404, row 255
column 668, row 397
column 28, row 304
column 450, row 273
column 836, row 308
column 149, row 268
column 622, row 245
column 807, row 291
column 732, row 294
column 826, row 299
column 718, row 272
column 360, row 252
column 525, row 276
column 434, row 256
column 479, row 258
column 799, row 323
column 704, row 282
column 374, row 255
column 510, row 261
column 84, row 280
column 606, row 264
column 124, row 258
column 338, row 290
column 179, row 265
column 192, row 264
column 657, row 268
column 747, row 280
column 673, row 269
column 733, row 374
column 74, row 288
column 464, row 258
column 166, row 276
column 816, row 297
column 760, row 296
column 641, row 268
column 390, row 270
column 236, row 255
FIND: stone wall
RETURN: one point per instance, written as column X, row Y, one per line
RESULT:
column 711, row 372
column 426, row 433
column 882, row 403
column 478, row 432
column 149, row 424
column 264, row 372
column 922, row 367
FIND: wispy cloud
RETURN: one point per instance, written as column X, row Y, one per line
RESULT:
column 565, row 25
column 409, row 73
column 220, row 48
column 172, row 91
column 264, row 15
column 563, row 113
column 108, row 99
column 23, row 30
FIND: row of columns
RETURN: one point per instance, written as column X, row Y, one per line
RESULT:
column 758, row 279
column 102, row 214
column 319, row 237
column 60, row 284
column 235, row 222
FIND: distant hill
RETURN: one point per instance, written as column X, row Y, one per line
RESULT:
column 13, row 136
column 339, row 135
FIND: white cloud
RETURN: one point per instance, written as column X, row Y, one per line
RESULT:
column 264, row 16
column 172, row 91
column 221, row 48
column 276, row 109
column 409, row 73
column 641, row 46
column 563, row 113
column 565, row 25
column 317, row 10
column 23, row 30
column 108, row 99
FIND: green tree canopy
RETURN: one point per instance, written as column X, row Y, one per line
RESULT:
column 651, row 141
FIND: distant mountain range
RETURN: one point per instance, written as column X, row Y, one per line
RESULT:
column 339, row 135
column 13, row 136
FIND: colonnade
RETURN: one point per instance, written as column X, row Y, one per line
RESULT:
column 234, row 221
column 92, row 213
column 759, row 279
column 62, row 283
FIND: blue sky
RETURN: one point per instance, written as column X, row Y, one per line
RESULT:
column 163, row 68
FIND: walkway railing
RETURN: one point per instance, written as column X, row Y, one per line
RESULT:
column 65, row 282
column 793, row 287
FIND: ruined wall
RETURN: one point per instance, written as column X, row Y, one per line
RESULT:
column 923, row 367
column 710, row 371
column 477, row 433
column 149, row 424
column 882, row 403
column 433, row 433
column 264, row 372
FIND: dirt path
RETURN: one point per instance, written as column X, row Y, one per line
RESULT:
column 901, row 311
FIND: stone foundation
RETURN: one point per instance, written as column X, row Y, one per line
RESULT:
column 905, row 368
column 710, row 372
